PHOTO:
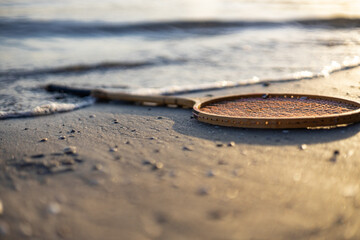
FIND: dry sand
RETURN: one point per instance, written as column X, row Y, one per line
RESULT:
column 144, row 172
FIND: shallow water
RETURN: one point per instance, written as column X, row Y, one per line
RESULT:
column 168, row 46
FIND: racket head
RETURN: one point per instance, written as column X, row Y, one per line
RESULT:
column 277, row 111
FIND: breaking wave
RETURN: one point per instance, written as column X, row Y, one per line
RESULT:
column 49, row 108
column 31, row 28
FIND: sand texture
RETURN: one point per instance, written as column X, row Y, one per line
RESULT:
column 124, row 171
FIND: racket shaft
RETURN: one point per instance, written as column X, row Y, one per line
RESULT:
column 154, row 99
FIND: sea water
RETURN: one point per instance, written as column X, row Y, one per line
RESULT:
column 166, row 46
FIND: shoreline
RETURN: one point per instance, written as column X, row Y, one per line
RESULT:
column 54, row 107
column 140, row 172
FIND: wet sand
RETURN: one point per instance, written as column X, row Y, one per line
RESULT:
column 122, row 171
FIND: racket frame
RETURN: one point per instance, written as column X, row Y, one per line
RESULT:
column 332, row 120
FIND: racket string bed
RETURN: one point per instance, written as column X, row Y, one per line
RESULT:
column 277, row 107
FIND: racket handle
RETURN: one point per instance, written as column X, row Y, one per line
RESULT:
column 154, row 99
column 64, row 89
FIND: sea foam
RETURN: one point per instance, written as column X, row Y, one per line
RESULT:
column 49, row 108
column 53, row 107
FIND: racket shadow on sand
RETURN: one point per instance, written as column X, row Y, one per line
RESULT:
column 184, row 124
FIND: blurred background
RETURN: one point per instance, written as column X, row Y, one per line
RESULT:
column 132, row 45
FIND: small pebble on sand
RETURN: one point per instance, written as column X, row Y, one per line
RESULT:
column 222, row 162
column 215, row 214
column 303, row 147
column 159, row 117
column 113, row 149
column 54, row 208
column 62, row 137
column 334, row 156
column 237, row 172
column 38, row 155
column 231, row 144
column 92, row 116
column 44, row 140
column 158, row 165
column 211, row 173
column 202, row 191
column 70, row 150
column 79, row 160
column 219, row 144
column 148, row 162
column 72, row 131
column 188, row 148
column 98, row 167
column 350, row 190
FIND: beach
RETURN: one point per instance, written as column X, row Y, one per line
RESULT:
column 125, row 171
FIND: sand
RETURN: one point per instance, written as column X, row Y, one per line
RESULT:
column 123, row 171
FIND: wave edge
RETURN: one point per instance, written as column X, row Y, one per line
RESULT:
column 29, row 27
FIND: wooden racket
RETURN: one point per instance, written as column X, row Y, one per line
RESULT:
column 261, row 110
